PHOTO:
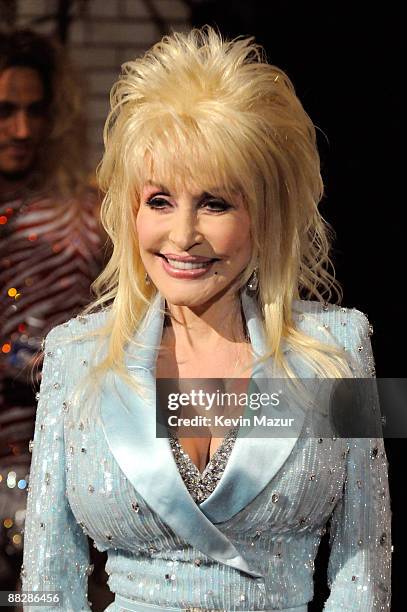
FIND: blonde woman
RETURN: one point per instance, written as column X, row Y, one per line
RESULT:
column 212, row 183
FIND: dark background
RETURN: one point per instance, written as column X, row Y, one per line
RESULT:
column 347, row 63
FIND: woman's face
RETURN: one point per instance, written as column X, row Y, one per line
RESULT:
column 188, row 227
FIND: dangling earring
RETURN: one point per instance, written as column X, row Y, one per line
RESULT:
column 253, row 282
column 147, row 279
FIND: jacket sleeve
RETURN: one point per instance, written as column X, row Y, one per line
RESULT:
column 56, row 551
column 359, row 569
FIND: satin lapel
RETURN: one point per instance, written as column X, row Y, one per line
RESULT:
column 255, row 461
column 129, row 424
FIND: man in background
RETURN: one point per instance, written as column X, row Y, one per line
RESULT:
column 51, row 249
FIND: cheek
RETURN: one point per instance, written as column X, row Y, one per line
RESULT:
column 39, row 128
column 144, row 229
column 4, row 127
column 236, row 238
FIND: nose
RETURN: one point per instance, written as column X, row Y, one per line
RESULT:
column 185, row 231
column 21, row 125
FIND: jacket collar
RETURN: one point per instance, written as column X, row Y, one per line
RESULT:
column 129, row 424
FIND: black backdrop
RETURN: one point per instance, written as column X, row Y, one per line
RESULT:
column 347, row 62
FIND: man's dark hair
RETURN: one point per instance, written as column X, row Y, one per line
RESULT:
column 62, row 158
column 28, row 49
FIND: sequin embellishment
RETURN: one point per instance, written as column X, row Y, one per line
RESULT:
column 201, row 485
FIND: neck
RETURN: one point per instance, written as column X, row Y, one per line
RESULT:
column 12, row 185
column 10, row 188
column 207, row 326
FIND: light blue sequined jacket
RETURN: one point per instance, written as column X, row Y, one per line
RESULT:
column 251, row 544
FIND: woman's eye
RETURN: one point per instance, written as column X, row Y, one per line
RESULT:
column 213, row 205
column 219, row 205
column 156, row 202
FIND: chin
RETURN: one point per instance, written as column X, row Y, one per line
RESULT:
column 192, row 298
column 15, row 172
column 184, row 299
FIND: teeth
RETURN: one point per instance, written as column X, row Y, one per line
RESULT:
column 187, row 265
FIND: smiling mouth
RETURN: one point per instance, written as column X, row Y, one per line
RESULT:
column 188, row 265
column 20, row 150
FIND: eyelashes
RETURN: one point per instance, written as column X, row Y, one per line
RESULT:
column 220, row 205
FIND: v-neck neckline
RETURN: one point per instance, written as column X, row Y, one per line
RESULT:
column 201, row 484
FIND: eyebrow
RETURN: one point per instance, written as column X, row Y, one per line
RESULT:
column 14, row 105
column 158, row 185
column 166, row 191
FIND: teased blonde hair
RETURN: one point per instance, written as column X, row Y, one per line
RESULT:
column 197, row 110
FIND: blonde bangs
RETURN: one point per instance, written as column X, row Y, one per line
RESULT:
column 180, row 154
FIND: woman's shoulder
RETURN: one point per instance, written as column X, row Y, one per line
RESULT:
column 78, row 330
column 339, row 320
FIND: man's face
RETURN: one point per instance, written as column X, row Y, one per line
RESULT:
column 23, row 120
